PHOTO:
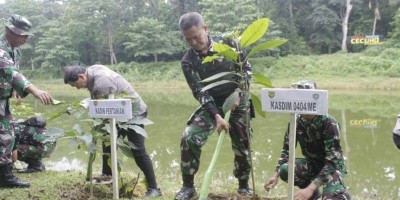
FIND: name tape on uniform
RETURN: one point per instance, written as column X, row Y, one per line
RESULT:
column 300, row 101
column 110, row 108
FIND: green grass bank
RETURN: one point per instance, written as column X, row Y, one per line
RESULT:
column 377, row 68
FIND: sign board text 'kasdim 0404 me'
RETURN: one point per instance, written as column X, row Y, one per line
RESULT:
column 298, row 101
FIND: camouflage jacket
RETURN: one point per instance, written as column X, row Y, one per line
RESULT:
column 14, row 53
column 10, row 79
column 195, row 71
column 32, row 142
column 320, row 143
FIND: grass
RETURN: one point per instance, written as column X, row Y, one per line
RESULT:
column 70, row 185
column 57, row 186
column 350, row 73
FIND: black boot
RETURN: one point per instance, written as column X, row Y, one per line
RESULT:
column 33, row 166
column 8, row 180
column 244, row 188
column 187, row 191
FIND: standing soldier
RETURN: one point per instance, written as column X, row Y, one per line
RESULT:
column 17, row 30
column 209, row 116
column 322, row 165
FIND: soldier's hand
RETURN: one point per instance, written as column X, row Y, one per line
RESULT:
column 43, row 96
column 221, row 124
column 17, row 98
column 303, row 194
column 237, row 100
column 271, row 182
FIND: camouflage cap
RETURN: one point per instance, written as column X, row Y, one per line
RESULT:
column 305, row 84
column 19, row 25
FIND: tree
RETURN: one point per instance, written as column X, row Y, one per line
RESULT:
column 54, row 50
column 377, row 14
column 40, row 13
column 323, row 24
column 221, row 15
column 344, row 15
column 150, row 37
column 290, row 18
column 181, row 7
column 395, row 34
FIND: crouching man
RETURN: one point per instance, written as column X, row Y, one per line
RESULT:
column 396, row 133
column 32, row 143
column 323, row 163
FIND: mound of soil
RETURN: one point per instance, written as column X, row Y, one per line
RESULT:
column 81, row 191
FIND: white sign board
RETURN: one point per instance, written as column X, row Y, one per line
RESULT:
column 110, row 108
column 298, row 101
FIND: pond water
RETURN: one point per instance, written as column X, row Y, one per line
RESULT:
column 366, row 118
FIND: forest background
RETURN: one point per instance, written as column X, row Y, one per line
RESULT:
column 141, row 37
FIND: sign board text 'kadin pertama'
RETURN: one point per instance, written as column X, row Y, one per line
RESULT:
column 298, row 101
column 110, row 108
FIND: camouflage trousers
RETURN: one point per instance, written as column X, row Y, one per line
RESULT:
column 200, row 127
column 31, row 139
column 7, row 141
column 304, row 173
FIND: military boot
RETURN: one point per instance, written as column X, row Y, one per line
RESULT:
column 188, row 191
column 153, row 193
column 33, row 166
column 185, row 193
column 244, row 188
column 8, row 180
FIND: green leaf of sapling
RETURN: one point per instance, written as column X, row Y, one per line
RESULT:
column 218, row 83
column 230, row 101
column 254, row 32
column 257, row 105
column 261, row 79
column 217, row 76
column 211, row 58
column 266, row 45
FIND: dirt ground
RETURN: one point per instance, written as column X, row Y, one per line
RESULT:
column 236, row 197
column 81, row 191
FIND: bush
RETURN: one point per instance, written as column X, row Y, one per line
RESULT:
column 375, row 50
column 390, row 53
column 150, row 71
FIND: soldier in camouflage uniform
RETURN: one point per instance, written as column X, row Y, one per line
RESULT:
column 323, row 165
column 209, row 116
column 17, row 30
column 396, row 132
column 32, row 143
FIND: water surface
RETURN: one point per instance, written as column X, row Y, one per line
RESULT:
column 366, row 118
